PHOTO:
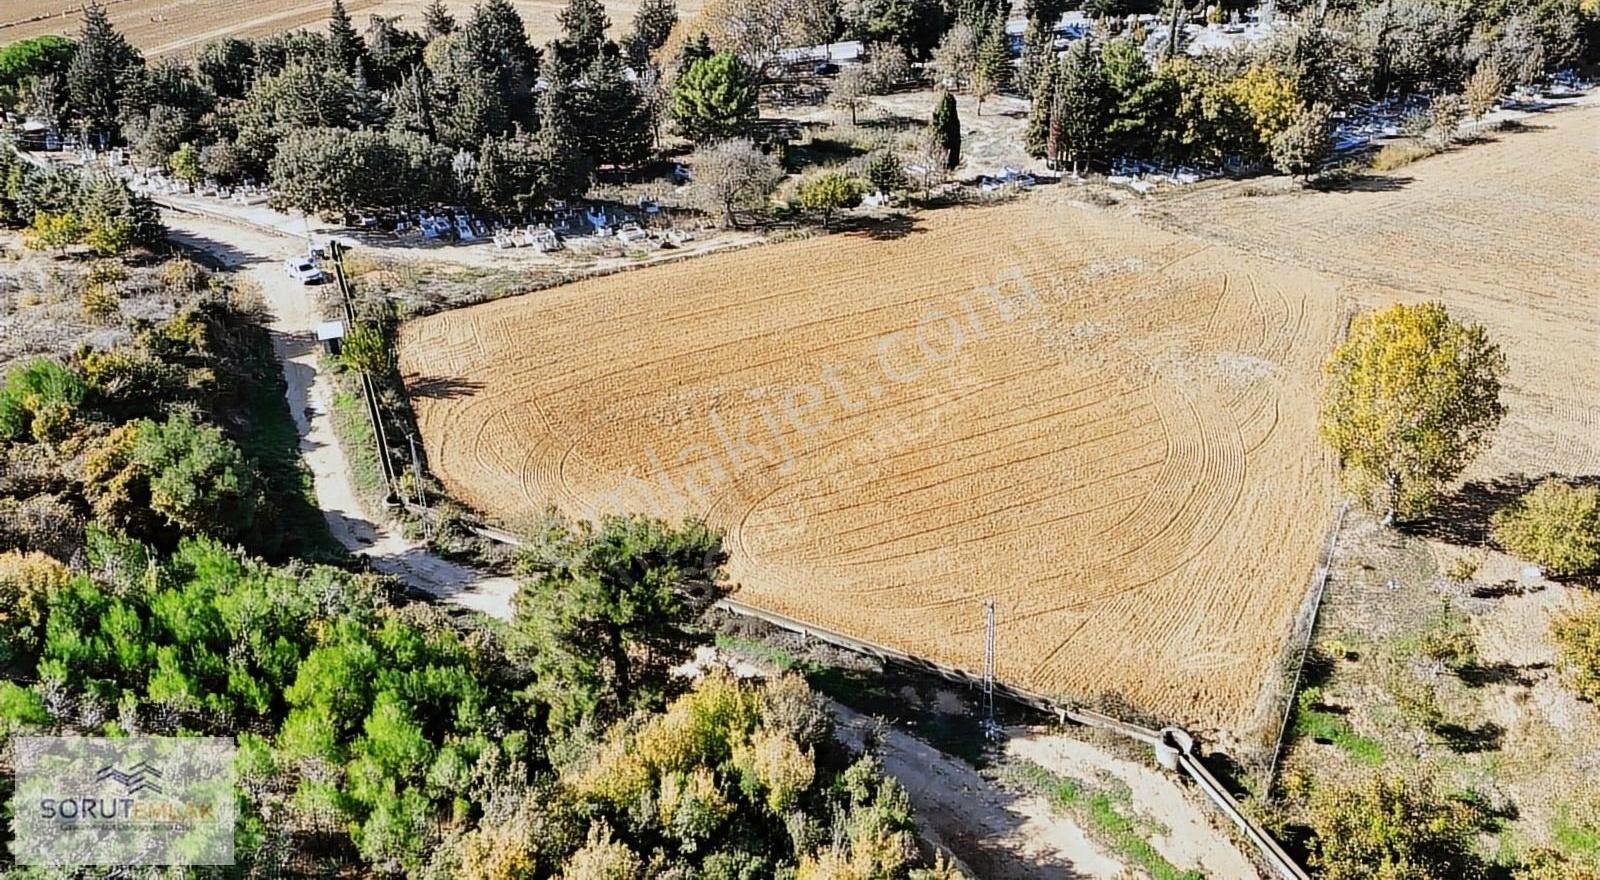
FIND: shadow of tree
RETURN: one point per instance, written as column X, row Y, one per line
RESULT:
column 1462, row 517
column 441, row 387
column 1500, row 590
column 890, row 228
column 1479, row 675
column 1485, row 737
column 1362, row 183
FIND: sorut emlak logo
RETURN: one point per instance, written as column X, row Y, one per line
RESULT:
column 135, row 779
column 125, row 801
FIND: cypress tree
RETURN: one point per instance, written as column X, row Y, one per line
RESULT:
column 614, row 121
column 1038, row 55
column 496, row 42
column 993, row 64
column 1041, row 109
column 652, row 24
column 694, row 49
column 948, row 125
column 566, row 168
column 103, row 72
column 1083, row 99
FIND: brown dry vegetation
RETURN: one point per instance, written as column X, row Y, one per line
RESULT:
column 1124, row 458
column 165, row 27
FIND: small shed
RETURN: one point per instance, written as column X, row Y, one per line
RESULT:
column 331, row 335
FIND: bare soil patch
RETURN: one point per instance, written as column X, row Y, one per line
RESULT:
column 1107, row 428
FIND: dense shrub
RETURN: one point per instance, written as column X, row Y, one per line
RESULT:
column 185, row 472
column 37, row 398
column 1577, row 637
column 1555, row 526
column 1388, row 828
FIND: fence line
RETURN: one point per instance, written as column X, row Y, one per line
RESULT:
column 1174, row 746
column 369, row 392
column 1306, row 621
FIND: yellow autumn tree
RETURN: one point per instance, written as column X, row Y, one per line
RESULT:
column 26, row 582
column 1411, row 396
column 777, row 763
column 1268, row 98
column 603, row 858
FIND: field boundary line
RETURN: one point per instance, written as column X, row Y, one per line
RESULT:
column 1174, row 747
column 1306, row 620
column 369, row 394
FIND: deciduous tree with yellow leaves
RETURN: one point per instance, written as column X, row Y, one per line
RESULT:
column 1411, row 397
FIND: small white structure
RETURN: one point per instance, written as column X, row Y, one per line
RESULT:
column 331, row 335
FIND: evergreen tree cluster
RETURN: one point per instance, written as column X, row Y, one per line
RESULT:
column 347, row 119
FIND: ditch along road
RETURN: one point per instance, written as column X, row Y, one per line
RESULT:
column 996, row 833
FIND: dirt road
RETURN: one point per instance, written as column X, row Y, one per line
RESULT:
column 295, row 314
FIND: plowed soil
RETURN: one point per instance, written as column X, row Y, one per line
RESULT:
column 1505, row 233
column 1107, row 428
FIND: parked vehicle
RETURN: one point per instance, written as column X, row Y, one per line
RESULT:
column 304, row 270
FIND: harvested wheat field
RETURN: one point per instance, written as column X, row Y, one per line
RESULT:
column 1107, row 428
column 167, row 27
column 1505, row 233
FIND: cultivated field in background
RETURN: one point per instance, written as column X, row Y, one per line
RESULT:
column 165, row 27
column 1107, row 428
column 1505, row 233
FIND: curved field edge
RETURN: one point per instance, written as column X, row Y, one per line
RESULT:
column 1106, row 428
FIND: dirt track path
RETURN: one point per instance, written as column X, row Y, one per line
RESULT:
column 295, row 314
column 997, row 834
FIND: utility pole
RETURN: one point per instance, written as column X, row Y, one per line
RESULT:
column 416, row 481
column 990, row 728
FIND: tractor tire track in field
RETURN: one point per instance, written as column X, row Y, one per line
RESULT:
column 1084, row 461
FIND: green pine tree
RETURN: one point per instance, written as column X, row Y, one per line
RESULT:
column 584, row 24
column 714, row 98
column 437, row 21
column 104, row 71
column 345, row 48
column 948, row 125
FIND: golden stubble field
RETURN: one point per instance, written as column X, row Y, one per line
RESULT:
column 1504, row 233
column 167, row 27
column 1107, row 428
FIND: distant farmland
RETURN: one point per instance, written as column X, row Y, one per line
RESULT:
column 1107, row 428
column 166, row 27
